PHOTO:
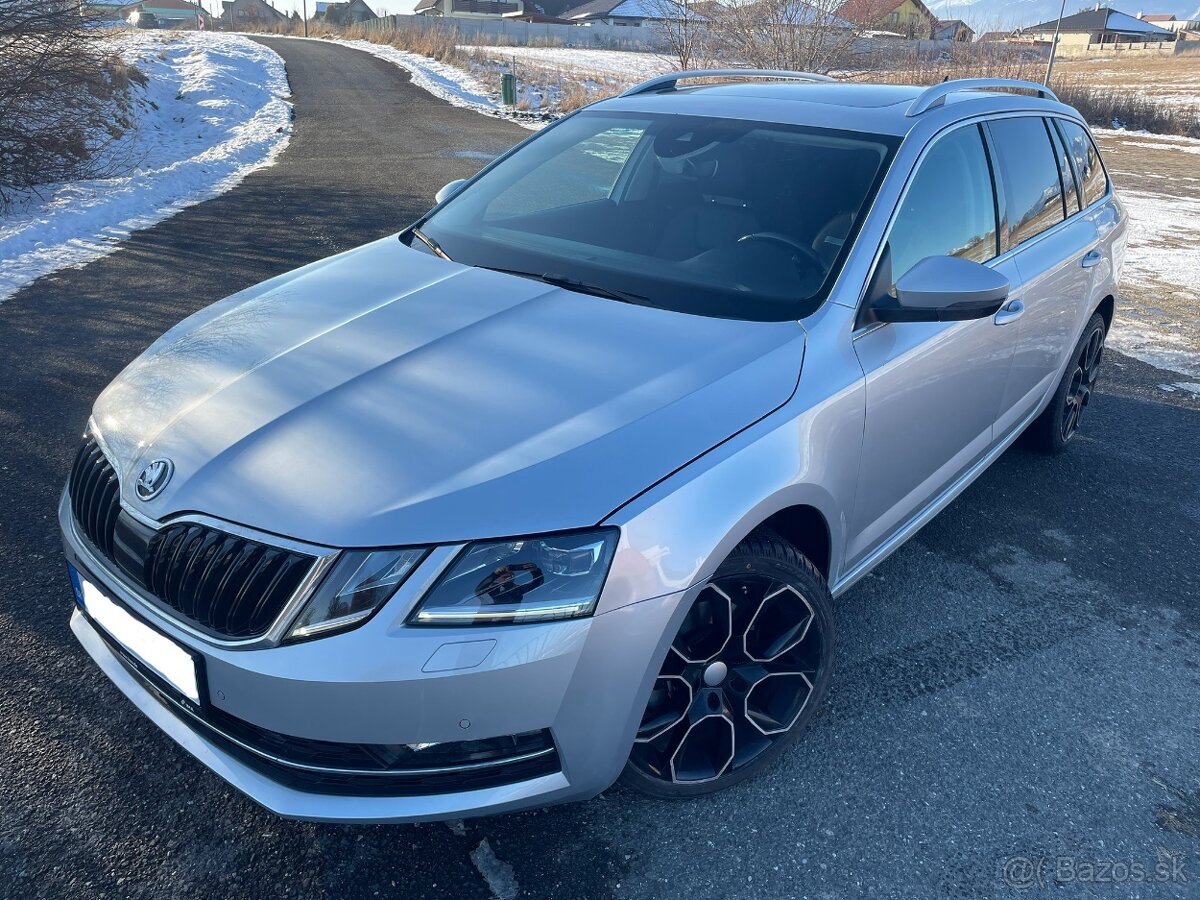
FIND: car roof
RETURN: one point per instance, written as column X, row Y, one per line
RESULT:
column 850, row 106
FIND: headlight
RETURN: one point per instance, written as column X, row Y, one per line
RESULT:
column 556, row 576
column 358, row 584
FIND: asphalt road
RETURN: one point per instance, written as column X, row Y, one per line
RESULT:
column 1019, row 682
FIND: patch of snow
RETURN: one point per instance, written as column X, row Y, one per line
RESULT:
column 450, row 83
column 455, row 85
column 1164, row 240
column 214, row 109
column 497, row 873
column 1162, row 260
column 628, row 66
column 1150, row 139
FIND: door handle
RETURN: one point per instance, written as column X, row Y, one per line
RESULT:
column 1010, row 312
column 1092, row 259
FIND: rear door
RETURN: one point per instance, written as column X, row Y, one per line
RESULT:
column 933, row 389
column 1055, row 251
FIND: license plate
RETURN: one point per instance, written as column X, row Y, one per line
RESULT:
column 157, row 652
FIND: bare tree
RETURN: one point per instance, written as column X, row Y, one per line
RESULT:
column 682, row 32
column 62, row 94
column 786, row 34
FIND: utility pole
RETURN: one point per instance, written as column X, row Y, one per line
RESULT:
column 1054, row 46
column 306, row 16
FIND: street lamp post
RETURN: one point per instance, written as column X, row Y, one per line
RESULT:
column 1054, row 46
column 305, row 4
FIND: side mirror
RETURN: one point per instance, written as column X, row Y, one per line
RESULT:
column 449, row 190
column 943, row 289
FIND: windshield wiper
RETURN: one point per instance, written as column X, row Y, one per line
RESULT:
column 581, row 287
column 430, row 243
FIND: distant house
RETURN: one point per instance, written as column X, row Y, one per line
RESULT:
column 795, row 13
column 239, row 13
column 633, row 13
column 908, row 18
column 1099, row 25
column 351, row 12
column 1168, row 21
column 993, row 37
column 470, row 9
column 954, row 30
column 547, row 11
column 178, row 14
column 102, row 12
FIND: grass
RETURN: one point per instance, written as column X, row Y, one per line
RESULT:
column 1127, row 99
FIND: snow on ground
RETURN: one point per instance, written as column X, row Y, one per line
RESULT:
column 1162, row 272
column 457, row 86
column 1158, row 313
column 214, row 109
column 545, row 75
column 452, row 84
column 628, row 65
column 549, row 76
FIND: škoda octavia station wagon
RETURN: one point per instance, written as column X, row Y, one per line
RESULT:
column 556, row 486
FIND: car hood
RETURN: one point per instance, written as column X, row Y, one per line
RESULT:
column 387, row 397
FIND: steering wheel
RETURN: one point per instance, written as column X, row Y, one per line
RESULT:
column 775, row 237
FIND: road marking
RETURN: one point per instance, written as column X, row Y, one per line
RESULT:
column 497, row 873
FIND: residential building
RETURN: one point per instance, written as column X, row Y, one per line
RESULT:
column 1099, row 26
column 351, row 12
column 102, row 12
column 178, row 14
column 1170, row 22
column 470, row 9
column 238, row 13
column 954, row 30
column 908, row 18
column 632, row 13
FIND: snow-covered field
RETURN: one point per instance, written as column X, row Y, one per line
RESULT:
column 214, row 108
column 626, row 65
column 1158, row 180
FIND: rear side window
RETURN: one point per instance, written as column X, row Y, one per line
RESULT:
column 1032, row 183
column 950, row 208
column 1087, row 161
column 1065, row 171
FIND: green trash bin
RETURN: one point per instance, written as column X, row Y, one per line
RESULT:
column 508, row 89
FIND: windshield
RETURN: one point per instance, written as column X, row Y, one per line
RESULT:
column 717, row 217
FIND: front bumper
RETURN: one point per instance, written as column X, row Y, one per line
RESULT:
column 583, row 682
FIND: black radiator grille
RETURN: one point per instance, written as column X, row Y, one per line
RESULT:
column 228, row 586
column 95, row 495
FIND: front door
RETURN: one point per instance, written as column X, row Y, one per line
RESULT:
column 933, row 390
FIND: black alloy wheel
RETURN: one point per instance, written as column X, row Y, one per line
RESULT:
column 745, row 672
column 1055, row 428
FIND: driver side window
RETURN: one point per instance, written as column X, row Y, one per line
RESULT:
column 950, row 206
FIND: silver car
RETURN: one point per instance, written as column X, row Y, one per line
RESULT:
column 557, row 486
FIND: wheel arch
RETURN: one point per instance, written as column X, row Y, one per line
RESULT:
column 1108, row 309
column 805, row 528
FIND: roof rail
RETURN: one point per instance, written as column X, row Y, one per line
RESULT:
column 936, row 95
column 667, row 82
